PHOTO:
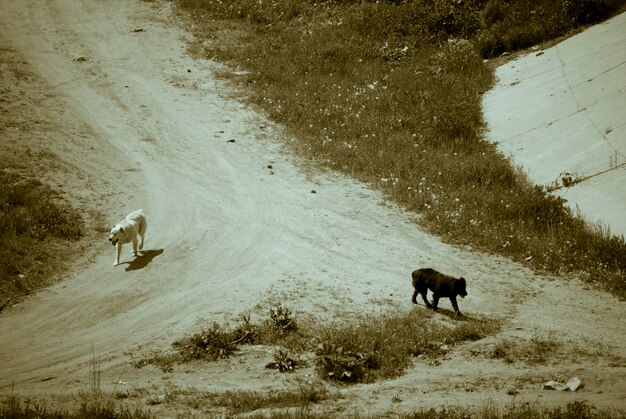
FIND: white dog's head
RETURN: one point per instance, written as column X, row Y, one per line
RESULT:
column 117, row 233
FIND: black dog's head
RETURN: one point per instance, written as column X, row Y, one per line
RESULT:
column 459, row 287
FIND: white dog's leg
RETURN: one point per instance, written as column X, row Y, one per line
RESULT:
column 141, row 243
column 135, row 247
column 118, row 252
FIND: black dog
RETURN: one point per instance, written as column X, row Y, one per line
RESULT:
column 440, row 284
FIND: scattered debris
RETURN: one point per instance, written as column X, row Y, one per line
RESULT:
column 232, row 140
column 138, row 30
column 572, row 385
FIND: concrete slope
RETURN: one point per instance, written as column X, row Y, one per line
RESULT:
column 560, row 114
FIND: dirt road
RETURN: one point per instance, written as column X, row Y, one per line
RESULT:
column 226, row 232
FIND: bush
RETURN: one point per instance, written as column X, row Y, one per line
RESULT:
column 246, row 332
column 210, row 344
column 281, row 321
column 283, row 362
column 337, row 364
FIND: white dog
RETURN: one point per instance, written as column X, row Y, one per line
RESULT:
column 126, row 231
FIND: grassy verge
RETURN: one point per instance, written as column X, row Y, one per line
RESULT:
column 390, row 92
column 33, row 224
column 37, row 224
column 238, row 402
column 363, row 351
column 241, row 402
column 16, row 407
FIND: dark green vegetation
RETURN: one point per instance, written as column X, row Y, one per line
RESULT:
column 390, row 92
column 33, row 223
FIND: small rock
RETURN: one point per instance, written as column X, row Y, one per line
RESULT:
column 574, row 384
column 232, row 140
column 554, row 385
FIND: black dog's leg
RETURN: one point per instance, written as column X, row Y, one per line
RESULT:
column 435, row 301
column 425, row 299
column 456, row 307
column 414, row 298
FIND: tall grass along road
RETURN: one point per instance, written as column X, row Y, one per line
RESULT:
column 390, row 93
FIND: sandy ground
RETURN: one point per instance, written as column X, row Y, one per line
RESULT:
column 139, row 123
column 561, row 113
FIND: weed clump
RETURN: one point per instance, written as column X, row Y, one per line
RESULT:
column 210, row 344
column 284, row 362
column 217, row 342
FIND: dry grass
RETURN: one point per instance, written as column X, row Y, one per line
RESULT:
column 390, row 93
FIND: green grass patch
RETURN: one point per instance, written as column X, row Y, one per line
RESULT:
column 34, row 221
column 389, row 92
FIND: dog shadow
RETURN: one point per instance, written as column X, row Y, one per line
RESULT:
column 451, row 314
column 143, row 259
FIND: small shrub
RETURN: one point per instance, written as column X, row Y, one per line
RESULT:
column 165, row 362
column 210, row 344
column 503, row 350
column 246, row 332
column 283, row 362
column 281, row 320
column 337, row 364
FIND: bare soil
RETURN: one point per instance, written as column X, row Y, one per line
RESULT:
column 119, row 116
